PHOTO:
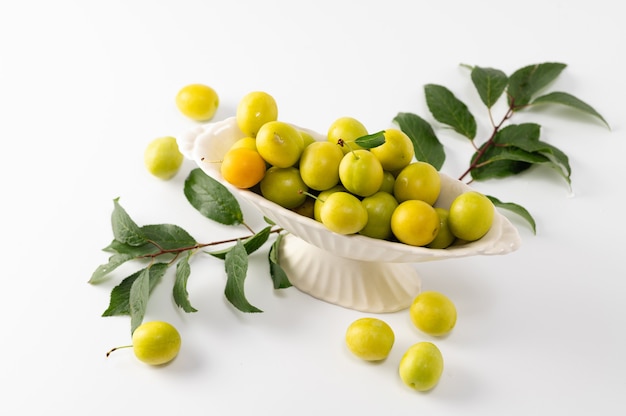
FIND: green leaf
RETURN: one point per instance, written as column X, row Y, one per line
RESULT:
column 103, row 270
column 570, row 101
column 236, row 264
column 158, row 236
column 138, row 299
column 135, row 251
column 119, row 303
column 526, row 137
column 278, row 275
column 557, row 160
column 212, row 199
column 517, row 209
column 529, row 80
column 251, row 244
column 523, row 135
column 448, row 109
column 490, row 84
column 371, row 140
column 499, row 169
column 501, row 162
column 168, row 236
column 512, row 153
column 181, row 296
column 124, row 228
column 427, row 146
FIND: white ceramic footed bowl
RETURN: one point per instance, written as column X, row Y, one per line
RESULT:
column 363, row 266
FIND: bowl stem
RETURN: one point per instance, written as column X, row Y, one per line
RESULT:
column 374, row 287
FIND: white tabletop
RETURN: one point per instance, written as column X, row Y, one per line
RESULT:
column 84, row 86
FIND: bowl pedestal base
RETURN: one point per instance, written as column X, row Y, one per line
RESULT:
column 373, row 287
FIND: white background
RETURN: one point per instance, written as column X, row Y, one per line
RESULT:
column 84, row 86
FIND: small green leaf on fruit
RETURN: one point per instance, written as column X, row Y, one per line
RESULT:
column 515, row 208
column 371, row 140
column 427, row 146
column 449, row 110
column 212, row 199
column 278, row 275
column 180, row 293
column 236, row 264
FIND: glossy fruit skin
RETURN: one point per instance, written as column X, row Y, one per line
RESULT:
column 319, row 165
column 306, row 208
column 307, row 139
column 280, row 144
column 444, row 237
column 433, row 313
column 162, row 157
column 284, row 186
column 361, row 173
column 347, row 130
column 388, row 182
column 243, row 167
column 380, row 208
column 397, row 151
column 156, row 342
column 418, row 180
column 249, row 142
column 343, row 213
column 197, row 101
column 255, row 109
column 321, row 198
column 471, row 216
column 421, row 366
column 370, row 339
column 415, row 223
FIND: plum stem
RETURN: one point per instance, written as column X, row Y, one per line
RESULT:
column 117, row 348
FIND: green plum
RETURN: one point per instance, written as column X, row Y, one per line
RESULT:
column 380, row 207
column 444, row 237
column 321, row 198
column 361, row 172
column 388, row 182
column 421, row 366
column 319, row 165
column 471, row 215
column 284, row 186
column 418, row 180
column 343, row 213
column 397, row 151
column 279, row 143
column 344, row 131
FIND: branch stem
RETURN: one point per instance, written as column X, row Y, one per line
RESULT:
column 198, row 246
column 490, row 142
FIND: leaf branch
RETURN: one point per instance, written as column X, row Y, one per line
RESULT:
column 178, row 250
column 490, row 142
